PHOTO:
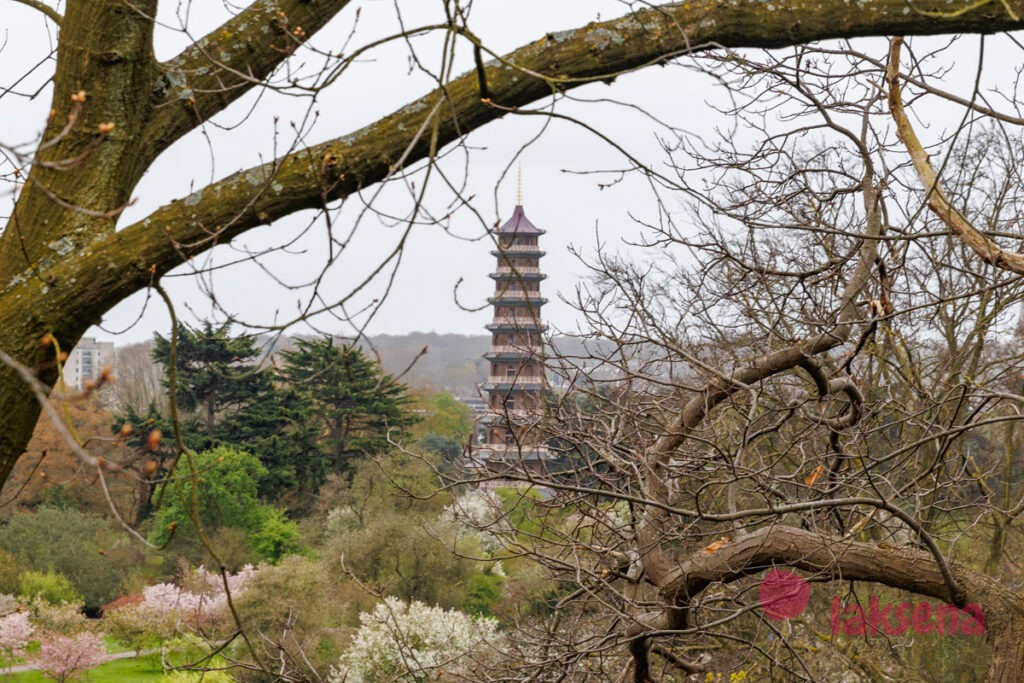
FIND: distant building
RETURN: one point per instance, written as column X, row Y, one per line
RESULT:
column 508, row 440
column 478, row 409
column 85, row 362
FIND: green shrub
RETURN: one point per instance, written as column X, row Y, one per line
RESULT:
column 9, row 573
column 51, row 586
column 296, row 598
column 276, row 536
column 82, row 546
column 227, row 490
column 483, row 593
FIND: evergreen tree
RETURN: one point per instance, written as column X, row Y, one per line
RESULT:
column 357, row 403
column 278, row 427
column 215, row 372
column 225, row 398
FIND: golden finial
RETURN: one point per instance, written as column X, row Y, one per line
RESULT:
column 519, row 186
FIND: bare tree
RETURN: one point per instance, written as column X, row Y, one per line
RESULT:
column 825, row 377
column 138, row 378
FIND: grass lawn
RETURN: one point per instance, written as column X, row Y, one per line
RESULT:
column 114, row 645
column 143, row 670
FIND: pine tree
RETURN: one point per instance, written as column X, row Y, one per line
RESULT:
column 226, row 399
column 358, row 405
column 279, row 428
column 215, row 372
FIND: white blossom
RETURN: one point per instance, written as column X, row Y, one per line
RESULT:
column 412, row 642
column 481, row 512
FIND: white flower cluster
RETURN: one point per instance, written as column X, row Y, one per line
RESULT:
column 481, row 512
column 411, row 642
column 341, row 519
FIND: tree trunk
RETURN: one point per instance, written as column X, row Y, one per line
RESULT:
column 105, row 74
column 1004, row 630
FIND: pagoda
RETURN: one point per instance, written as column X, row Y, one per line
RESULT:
column 514, row 392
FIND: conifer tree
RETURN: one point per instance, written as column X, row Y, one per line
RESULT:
column 225, row 398
column 358, row 405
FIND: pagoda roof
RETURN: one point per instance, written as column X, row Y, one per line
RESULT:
column 519, row 224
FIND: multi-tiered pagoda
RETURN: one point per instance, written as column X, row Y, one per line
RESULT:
column 515, row 386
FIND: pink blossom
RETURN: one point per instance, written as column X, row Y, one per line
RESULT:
column 63, row 658
column 164, row 598
column 15, row 630
column 201, row 609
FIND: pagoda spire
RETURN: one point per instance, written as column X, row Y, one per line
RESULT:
column 519, row 185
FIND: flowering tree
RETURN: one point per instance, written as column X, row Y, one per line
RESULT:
column 412, row 642
column 482, row 513
column 64, row 617
column 135, row 623
column 63, row 657
column 169, row 607
column 15, row 630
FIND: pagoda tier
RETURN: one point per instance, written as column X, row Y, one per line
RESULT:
column 514, row 391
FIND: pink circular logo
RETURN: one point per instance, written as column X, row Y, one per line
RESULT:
column 783, row 594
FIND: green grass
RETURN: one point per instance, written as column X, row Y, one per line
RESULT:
column 141, row 670
column 114, row 645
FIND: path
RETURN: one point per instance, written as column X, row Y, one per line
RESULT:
column 22, row 668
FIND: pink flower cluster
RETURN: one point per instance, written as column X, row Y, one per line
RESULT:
column 62, row 657
column 15, row 631
column 199, row 609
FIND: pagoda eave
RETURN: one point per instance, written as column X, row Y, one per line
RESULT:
column 535, row 301
column 514, row 276
column 516, row 327
column 511, row 355
column 519, row 252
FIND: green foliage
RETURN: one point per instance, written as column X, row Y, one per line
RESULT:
column 51, row 586
column 55, row 617
column 357, row 404
column 443, row 416
column 82, row 546
column 407, row 558
column 523, row 511
column 275, row 536
column 326, row 405
column 144, row 425
column 387, row 530
column 483, row 593
column 188, row 650
column 215, row 371
column 133, row 627
column 294, row 597
column 197, row 677
column 9, row 573
column 225, row 484
column 140, row 670
column 225, row 398
column 226, row 489
column 56, row 496
column 278, row 429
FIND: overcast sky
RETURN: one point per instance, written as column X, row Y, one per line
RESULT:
column 558, row 196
